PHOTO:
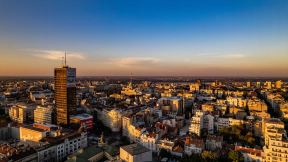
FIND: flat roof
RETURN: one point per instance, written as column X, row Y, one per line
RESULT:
column 135, row 149
column 82, row 116
column 33, row 128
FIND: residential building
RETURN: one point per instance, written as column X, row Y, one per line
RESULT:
column 214, row 143
column 197, row 123
column 43, row 115
column 21, row 113
column 194, row 87
column 250, row 154
column 193, row 146
column 149, row 140
column 284, row 109
column 276, row 141
column 173, row 105
column 227, row 122
column 17, row 152
column 111, row 118
column 208, row 123
column 256, row 105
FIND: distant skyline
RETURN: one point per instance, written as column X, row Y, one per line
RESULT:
column 149, row 37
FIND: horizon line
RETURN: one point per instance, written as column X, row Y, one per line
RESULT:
column 194, row 76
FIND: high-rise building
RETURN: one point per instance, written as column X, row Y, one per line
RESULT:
column 43, row 115
column 65, row 93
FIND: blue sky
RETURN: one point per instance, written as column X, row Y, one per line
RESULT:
column 149, row 37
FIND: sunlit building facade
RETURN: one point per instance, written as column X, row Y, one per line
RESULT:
column 43, row 115
column 276, row 141
column 65, row 94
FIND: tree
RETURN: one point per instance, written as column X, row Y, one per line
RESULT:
column 124, row 141
column 209, row 156
column 236, row 130
column 164, row 153
column 235, row 156
column 248, row 139
column 192, row 158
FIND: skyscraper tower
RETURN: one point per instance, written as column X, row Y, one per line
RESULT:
column 65, row 93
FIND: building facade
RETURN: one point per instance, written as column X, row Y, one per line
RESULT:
column 276, row 141
column 20, row 113
column 43, row 115
column 65, row 94
column 197, row 123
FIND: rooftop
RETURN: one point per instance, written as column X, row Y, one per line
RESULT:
column 82, row 116
column 84, row 155
column 135, row 149
column 33, row 128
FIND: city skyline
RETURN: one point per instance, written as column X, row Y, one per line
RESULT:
column 153, row 38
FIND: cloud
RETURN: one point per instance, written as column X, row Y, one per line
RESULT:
column 232, row 56
column 56, row 54
column 225, row 56
column 134, row 61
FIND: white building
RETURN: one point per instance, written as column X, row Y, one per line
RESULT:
column 227, row 122
column 70, row 145
column 208, row 123
column 197, row 123
column 65, row 145
column 236, row 101
column 111, row 118
column 132, row 130
column 276, row 143
column 47, row 153
column 193, row 146
column 126, row 123
column 149, row 140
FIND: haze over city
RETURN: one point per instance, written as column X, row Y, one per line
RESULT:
column 144, row 81
column 155, row 38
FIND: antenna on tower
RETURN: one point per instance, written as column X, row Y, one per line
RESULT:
column 130, row 83
column 62, row 60
column 131, row 75
column 65, row 59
